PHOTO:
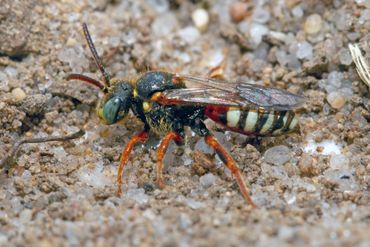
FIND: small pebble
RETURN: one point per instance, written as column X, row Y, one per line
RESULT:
column 339, row 161
column 365, row 16
column 3, row 76
column 313, row 24
column 203, row 147
column 161, row 6
column 93, row 176
column 297, row 11
column 12, row 72
column 238, row 11
column 25, row 216
column 304, row 50
column 282, row 57
column 74, row 57
column 35, row 104
column 3, row 239
column 346, row 92
column 274, row 171
column 353, row 36
column 306, row 165
column 4, row 218
column 71, row 42
column 26, row 174
column 330, row 147
column 257, row 31
column 190, row 202
column 201, row 19
column 18, row 94
column 261, row 15
column 114, row 41
column 51, row 116
column 184, row 221
column 341, row 19
column 207, row 180
column 345, row 56
column 342, row 178
column 277, row 155
column 138, row 195
column 189, row 34
column 59, row 153
column 165, row 24
column 336, row 100
column 335, row 79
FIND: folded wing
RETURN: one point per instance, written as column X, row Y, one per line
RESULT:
column 202, row 91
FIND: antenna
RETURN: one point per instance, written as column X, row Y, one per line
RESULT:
column 96, row 57
column 85, row 79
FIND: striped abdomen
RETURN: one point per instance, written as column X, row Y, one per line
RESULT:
column 257, row 122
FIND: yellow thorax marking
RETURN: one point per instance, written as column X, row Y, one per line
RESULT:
column 146, row 106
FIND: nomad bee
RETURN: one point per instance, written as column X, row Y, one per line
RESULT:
column 167, row 103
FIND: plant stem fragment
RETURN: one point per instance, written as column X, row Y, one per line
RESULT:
column 9, row 160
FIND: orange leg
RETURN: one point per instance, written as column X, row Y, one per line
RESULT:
column 231, row 164
column 162, row 151
column 140, row 137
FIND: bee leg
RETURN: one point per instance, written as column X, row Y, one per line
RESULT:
column 217, row 72
column 162, row 151
column 231, row 164
column 140, row 137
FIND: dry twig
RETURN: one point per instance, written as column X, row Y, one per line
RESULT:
column 9, row 159
column 361, row 65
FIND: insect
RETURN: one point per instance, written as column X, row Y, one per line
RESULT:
column 167, row 103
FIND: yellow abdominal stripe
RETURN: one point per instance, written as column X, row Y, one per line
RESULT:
column 233, row 116
column 268, row 124
column 294, row 123
column 250, row 122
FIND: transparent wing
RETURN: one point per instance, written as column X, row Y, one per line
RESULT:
column 203, row 91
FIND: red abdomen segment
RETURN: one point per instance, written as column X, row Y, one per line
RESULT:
column 256, row 122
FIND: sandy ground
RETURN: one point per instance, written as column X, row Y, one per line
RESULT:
column 311, row 187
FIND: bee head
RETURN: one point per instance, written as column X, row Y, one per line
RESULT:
column 114, row 106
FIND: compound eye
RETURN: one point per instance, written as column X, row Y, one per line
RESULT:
column 111, row 111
